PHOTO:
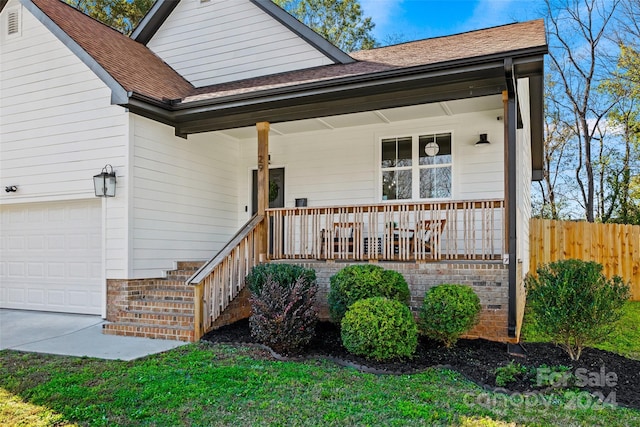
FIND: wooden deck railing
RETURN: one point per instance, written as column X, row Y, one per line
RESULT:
column 389, row 231
column 219, row 281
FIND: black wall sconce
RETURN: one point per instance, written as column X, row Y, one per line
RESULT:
column 301, row 203
column 11, row 188
column 483, row 141
column 105, row 182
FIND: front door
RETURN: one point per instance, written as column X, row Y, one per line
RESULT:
column 276, row 196
column 276, row 189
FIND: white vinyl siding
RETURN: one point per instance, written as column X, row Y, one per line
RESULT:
column 58, row 129
column 220, row 41
column 523, row 175
column 184, row 196
column 341, row 166
column 51, row 256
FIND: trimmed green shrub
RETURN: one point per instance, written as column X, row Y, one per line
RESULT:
column 509, row 373
column 285, row 274
column 448, row 311
column 574, row 304
column 284, row 316
column 379, row 328
column 361, row 281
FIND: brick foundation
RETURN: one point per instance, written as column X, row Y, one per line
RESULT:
column 238, row 309
column 489, row 280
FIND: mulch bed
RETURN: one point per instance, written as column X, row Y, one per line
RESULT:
column 478, row 359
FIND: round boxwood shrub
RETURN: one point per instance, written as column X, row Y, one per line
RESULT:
column 379, row 328
column 574, row 304
column 284, row 274
column 361, row 281
column 448, row 311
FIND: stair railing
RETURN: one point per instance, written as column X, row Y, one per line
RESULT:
column 220, row 280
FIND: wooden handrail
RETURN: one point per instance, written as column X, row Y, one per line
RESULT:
column 222, row 278
column 208, row 267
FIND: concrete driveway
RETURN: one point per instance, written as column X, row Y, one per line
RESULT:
column 71, row 335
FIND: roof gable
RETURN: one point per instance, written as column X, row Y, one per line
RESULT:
column 116, row 59
column 218, row 41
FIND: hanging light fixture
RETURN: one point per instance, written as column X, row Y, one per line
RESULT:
column 483, row 141
column 105, row 182
column 431, row 149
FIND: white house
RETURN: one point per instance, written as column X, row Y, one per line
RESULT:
column 214, row 110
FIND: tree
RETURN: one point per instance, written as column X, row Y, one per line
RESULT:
column 339, row 21
column 624, row 85
column 577, row 31
column 122, row 15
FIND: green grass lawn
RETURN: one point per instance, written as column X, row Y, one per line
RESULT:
column 209, row 385
column 625, row 340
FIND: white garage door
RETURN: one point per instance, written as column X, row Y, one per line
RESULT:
column 51, row 256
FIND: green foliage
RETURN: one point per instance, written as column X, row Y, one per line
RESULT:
column 509, row 373
column 284, row 317
column 122, row 15
column 219, row 385
column 379, row 328
column 448, row 311
column 361, row 281
column 284, row 274
column 574, row 304
column 339, row 21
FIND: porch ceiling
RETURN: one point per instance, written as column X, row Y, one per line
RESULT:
column 390, row 115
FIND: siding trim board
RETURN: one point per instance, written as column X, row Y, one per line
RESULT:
column 118, row 93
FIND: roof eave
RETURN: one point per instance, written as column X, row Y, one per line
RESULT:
column 304, row 32
column 153, row 20
column 118, row 93
column 393, row 88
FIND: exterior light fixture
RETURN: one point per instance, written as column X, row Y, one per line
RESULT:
column 483, row 141
column 105, row 182
column 11, row 188
column 431, row 149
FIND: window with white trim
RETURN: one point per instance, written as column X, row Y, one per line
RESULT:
column 416, row 167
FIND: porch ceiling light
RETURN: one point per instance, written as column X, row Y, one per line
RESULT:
column 105, row 182
column 431, row 149
column 483, row 142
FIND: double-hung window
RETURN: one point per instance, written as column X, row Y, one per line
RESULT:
column 416, row 167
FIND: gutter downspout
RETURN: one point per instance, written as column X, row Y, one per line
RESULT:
column 510, row 123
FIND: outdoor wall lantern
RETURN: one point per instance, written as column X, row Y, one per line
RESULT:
column 483, row 141
column 431, row 149
column 105, row 182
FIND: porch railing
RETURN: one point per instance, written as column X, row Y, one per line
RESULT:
column 220, row 280
column 390, row 231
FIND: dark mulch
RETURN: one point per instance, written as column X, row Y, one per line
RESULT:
column 478, row 359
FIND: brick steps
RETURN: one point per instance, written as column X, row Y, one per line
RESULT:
column 148, row 331
column 159, row 308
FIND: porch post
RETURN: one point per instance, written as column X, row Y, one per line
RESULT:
column 263, row 185
column 505, row 106
column 511, row 247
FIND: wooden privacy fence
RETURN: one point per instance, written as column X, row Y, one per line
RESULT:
column 615, row 246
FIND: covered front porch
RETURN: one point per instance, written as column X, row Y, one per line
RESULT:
column 409, row 231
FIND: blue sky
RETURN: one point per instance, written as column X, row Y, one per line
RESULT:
column 419, row 19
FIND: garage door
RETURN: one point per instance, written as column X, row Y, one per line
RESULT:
column 51, row 256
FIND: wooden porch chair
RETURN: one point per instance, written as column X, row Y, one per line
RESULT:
column 346, row 238
column 428, row 234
